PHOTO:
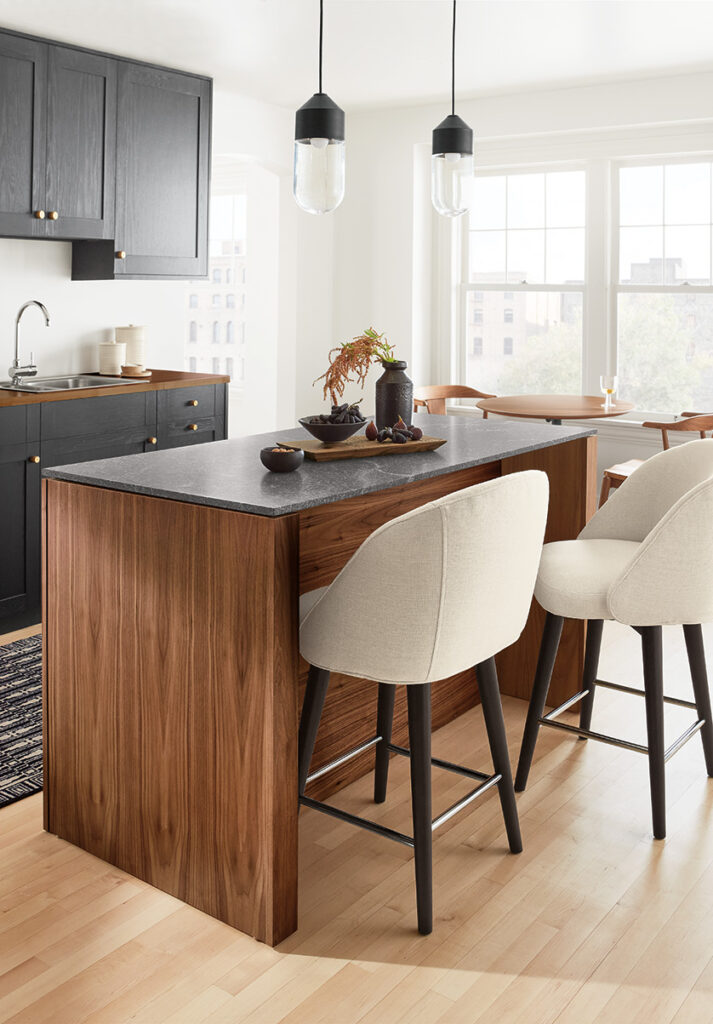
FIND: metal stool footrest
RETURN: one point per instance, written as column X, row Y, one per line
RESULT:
column 486, row 783
column 614, row 741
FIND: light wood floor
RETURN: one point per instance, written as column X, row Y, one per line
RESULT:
column 593, row 922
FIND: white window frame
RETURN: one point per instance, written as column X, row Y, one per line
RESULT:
column 466, row 286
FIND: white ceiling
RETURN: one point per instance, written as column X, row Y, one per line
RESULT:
column 385, row 52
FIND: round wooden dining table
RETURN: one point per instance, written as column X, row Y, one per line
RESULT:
column 554, row 408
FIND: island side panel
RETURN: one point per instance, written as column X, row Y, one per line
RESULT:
column 171, row 697
column 572, row 471
column 329, row 536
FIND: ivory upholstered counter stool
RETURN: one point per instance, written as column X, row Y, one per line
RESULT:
column 644, row 559
column 466, row 566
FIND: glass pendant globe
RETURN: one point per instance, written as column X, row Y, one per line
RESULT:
column 452, row 183
column 319, row 170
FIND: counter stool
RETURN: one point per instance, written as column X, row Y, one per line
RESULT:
column 455, row 579
column 645, row 559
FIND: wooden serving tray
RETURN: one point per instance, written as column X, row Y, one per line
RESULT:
column 358, row 447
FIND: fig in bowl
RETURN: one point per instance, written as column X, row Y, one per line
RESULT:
column 331, row 428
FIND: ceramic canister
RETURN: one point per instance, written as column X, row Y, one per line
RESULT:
column 112, row 357
column 134, row 338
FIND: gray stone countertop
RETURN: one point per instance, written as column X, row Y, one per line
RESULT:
column 229, row 474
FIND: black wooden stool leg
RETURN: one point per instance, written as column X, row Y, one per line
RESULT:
column 699, row 677
column 317, row 683
column 541, row 684
column 651, row 644
column 495, row 726
column 419, row 730
column 589, row 674
column 384, row 721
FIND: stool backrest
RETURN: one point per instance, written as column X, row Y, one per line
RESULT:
column 437, row 590
column 644, row 498
column 433, row 396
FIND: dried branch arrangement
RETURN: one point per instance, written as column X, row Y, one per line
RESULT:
column 349, row 363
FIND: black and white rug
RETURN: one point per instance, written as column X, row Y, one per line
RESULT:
column 20, row 719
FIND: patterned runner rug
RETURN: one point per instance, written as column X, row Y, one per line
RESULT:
column 20, row 719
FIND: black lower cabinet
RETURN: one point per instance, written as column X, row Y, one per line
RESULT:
column 20, row 476
column 81, row 430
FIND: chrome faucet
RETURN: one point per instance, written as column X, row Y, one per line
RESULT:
column 16, row 371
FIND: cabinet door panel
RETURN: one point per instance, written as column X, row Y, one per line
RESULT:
column 163, row 141
column 67, row 451
column 23, row 87
column 180, row 405
column 181, row 435
column 20, row 518
column 81, row 143
column 86, row 417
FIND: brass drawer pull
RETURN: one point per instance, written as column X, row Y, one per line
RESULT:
column 120, row 254
column 152, row 440
column 34, row 458
column 53, row 215
column 39, row 214
column 193, row 401
column 193, row 426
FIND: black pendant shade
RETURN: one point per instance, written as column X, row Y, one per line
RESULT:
column 452, row 135
column 319, row 118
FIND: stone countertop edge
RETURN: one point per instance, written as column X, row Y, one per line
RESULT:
column 184, row 473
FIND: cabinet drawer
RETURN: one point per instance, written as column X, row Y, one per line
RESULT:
column 66, row 451
column 19, row 424
column 87, row 416
column 179, row 435
column 187, row 404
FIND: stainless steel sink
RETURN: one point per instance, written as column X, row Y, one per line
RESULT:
column 74, row 383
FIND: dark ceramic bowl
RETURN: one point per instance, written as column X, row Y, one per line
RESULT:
column 332, row 433
column 283, row 461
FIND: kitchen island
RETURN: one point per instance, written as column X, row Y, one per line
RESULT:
column 172, row 672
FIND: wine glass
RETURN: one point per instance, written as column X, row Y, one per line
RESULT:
column 608, row 385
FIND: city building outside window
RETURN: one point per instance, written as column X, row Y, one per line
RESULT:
column 230, row 301
column 229, row 366
column 216, row 332
column 476, row 346
column 193, row 301
column 507, row 346
column 216, row 364
column 230, row 333
column 192, row 363
column 216, row 275
column 216, row 301
column 193, row 333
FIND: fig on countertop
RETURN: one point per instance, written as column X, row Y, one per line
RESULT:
column 371, row 432
column 416, row 433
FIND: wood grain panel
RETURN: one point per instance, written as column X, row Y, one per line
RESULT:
column 161, row 380
column 571, row 469
column 171, row 693
column 330, row 534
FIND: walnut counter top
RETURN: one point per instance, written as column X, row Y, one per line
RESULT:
column 160, row 380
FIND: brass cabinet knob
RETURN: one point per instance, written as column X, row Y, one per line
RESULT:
column 39, row 215
column 53, row 215
column 193, row 401
column 34, row 458
column 193, row 426
column 152, row 440
column 120, row 254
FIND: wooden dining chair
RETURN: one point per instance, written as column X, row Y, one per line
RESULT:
column 433, row 397
column 690, row 421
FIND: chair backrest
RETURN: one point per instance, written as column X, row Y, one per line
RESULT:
column 437, row 590
column 692, row 421
column 644, row 498
column 433, row 396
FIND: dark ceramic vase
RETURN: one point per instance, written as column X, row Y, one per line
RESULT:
column 394, row 395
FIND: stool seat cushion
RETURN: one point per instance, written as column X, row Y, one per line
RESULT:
column 575, row 576
column 309, row 600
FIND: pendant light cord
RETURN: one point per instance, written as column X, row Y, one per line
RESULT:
column 453, row 62
column 321, row 27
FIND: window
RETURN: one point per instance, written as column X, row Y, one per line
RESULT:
column 216, row 301
column 192, row 363
column 217, row 276
column 230, row 301
column 664, row 285
column 193, row 331
column 193, row 301
column 230, row 332
column 216, row 332
column 228, row 276
column 229, row 366
column 242, row 332
column 525, row 268
column 216, row 364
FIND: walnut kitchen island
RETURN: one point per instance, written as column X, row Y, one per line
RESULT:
column 171, row 668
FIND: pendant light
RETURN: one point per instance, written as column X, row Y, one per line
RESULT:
column 452, row 154
column 318, row 183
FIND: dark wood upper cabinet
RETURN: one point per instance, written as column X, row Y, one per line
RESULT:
column 81, row 144
column 23, row 89
column 162, row 172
